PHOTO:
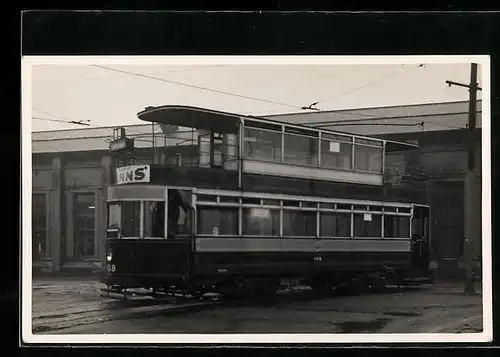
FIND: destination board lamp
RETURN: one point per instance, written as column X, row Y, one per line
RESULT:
column 120, row 141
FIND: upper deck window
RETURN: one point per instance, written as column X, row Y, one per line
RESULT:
column 368, row 158
column 336, row 154
column 300, row 149
column 262, row 145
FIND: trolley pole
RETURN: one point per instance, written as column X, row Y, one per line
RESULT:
column 470, row 191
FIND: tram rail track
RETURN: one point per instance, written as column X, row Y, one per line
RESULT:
column 138, row 305
column 114, row 310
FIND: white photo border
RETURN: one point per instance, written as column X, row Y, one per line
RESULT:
column 126, row 339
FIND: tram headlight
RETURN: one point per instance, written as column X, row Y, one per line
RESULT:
column 109, row 257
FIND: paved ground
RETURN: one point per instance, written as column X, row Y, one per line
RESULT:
column 75, row 306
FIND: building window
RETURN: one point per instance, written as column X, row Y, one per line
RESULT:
column 367, row 158
column 154, row 219
column 299, row 223
column 39, row 227
column 84, row 225
column 130, row 219
column 300, row 150
column 396, row 226
column 218, row 220
column 262, row 145
column 367, row 225
column 261, row 222
column 335, row 224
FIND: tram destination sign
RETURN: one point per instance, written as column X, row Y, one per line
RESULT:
column 133, row 174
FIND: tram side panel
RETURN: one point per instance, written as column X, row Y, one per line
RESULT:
column 219, row 258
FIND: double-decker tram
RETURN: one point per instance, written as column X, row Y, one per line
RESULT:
column 231, row 202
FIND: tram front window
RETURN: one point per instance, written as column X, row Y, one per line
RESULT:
column 126, row 217
column 114, row 213
column 154, row 219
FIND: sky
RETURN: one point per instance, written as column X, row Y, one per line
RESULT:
column 112, row 94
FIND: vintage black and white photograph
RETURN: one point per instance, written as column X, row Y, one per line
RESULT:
column 256, row 199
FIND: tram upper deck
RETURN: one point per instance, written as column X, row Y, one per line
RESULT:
column 231, row 146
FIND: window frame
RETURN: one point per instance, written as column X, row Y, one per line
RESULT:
column 73, row 194
column 372, row 213
column 399, row 215
column 47, row 228
column 284, row 203
column 142, row 220
column 354, row 141
column 230, row 206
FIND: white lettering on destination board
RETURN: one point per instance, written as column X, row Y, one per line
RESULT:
column 132, row 174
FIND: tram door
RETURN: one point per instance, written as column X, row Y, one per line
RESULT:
column 177, row 250
column 420, row 237
column 179, row 214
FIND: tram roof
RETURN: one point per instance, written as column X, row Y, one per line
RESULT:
column 224, row 122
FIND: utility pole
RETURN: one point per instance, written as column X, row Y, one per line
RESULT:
column 470, row 191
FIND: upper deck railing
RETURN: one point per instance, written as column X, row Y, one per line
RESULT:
column 205, row 138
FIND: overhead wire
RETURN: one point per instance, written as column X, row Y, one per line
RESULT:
column 59, row 119
column 369, row 121
column 113, row 77
column 198, row 87
column 49, row 119
column 366, row 85
column 218, row 91
column 326, row 124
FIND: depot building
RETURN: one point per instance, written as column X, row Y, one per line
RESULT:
column 73, row 168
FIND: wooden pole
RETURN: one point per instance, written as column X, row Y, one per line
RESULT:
column 469, row 184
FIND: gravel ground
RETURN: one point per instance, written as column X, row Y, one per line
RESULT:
column 76, row 307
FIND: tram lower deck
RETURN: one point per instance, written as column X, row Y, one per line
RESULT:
column 161, row 236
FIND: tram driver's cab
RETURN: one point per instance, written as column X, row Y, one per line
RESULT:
column 149, row 232
column 135, row 212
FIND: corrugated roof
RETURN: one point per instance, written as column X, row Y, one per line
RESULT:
column 389, row 120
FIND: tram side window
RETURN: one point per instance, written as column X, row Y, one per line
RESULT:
column 336, row 154
column 396, row 226
column 154, row 219
column 261, row 222
column 299, row 223
column 301, row 150
column 130, row 218
column 368, row 158
column 367, row 225
column 217, row 220
column 335, row 224
column 262, row 145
